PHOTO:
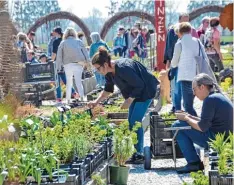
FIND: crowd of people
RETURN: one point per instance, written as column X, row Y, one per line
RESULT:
column 63, row 51
column 133, row 41
column 184, row 45
column 138, row 86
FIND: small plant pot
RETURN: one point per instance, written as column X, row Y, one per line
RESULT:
column 119, row 174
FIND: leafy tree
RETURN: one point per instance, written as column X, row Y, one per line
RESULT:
column 194, row 4
column 26, row 12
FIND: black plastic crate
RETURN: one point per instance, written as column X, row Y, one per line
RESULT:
column 216, row 179
column 159, row 133
column 71, row 180
column 117, row 115
column 88, row 167
column 82, row 171
column 105, row 144
column 32, row 94
column 163, row 148
column 40, row 72
column 110, row 150
column 157, row 125
column 158, row 122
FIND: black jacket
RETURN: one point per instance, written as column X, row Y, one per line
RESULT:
column 133, row 79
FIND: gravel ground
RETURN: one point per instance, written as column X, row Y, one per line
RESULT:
column 162, row 172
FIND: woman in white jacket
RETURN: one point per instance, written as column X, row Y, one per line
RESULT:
column 72, row 54
column 186, row 49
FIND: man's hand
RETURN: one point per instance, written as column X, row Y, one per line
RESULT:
column 126, row 104
column 181, row 115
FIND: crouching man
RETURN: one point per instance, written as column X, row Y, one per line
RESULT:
column 216, row 117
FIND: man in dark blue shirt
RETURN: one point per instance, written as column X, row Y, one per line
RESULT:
column 137, row 85
column 216, row 117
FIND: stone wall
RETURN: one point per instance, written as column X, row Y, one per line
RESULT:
column 10, row 67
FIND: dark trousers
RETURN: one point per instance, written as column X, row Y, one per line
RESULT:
column 215, row 62
column 187, row 138
column 118, row 51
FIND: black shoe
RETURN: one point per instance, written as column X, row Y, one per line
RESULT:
column 139, row 159
column 131, row 160
column 136, row 159
column 191, row 167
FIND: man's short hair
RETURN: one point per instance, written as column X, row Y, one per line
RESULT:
column 185, row 27
column 183, row 15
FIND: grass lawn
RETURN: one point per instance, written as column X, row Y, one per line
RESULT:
column 227, row 57
column 227, row 39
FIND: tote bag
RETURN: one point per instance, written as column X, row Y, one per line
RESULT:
column 202, row 64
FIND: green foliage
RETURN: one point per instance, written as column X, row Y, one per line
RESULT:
column 219, row 143
column 168, row 116
column 103, row 125
column 98, row 180
column 4, row 123
column 124, row 141
column 82, row 145
column 55, row 118
column 199, row 178
column 26, row 12
column 224, row 148
column 3, row 175
column 198, row 4
column 114, row 108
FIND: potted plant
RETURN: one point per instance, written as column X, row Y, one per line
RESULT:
column 224, row 148
column 123, row 141
column 98, row 180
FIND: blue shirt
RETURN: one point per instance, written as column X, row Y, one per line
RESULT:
column 217, row 114
column 133, row 79
column 33, row 61
column 118, row 42
column 94, row 48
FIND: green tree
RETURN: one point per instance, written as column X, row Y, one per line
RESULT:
column 194, row 4
column 26, row 12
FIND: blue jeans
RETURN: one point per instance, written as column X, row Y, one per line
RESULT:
column 188, row 97
column 136, row 112
column 118, row 51
column 186, row 139
column 177, row 94
column 99, row 78
column 61, row 76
